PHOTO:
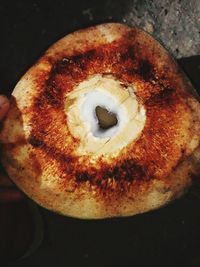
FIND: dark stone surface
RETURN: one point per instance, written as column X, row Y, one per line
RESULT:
column 176, row 23
column 166, row 237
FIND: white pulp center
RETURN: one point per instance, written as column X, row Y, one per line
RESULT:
column 82, row 121
column 99, row 98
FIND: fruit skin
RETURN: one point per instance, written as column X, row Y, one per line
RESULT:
column 39, row 153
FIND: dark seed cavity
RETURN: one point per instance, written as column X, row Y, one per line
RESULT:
column 106, row 119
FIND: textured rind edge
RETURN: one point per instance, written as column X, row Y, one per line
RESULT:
column 158, row 195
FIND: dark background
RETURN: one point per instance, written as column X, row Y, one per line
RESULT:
column 166, row 237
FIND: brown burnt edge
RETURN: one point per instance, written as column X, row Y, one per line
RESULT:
column 126, row 170
column 120, row 58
